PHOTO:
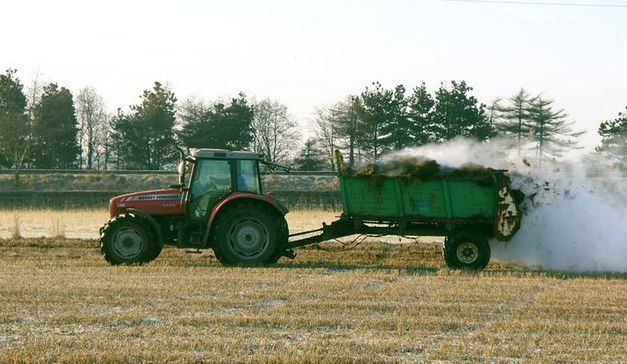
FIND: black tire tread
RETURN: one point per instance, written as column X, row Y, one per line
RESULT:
column 154, row 247
column 449, row 251
column 222, row 223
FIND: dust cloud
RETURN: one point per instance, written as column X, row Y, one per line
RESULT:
column 572, row 221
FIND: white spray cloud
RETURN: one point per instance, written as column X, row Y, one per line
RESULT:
column 572, row 222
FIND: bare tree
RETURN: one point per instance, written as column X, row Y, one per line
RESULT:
column 33, row 94
column 92, row 118
column 325, row 132
column 106, row 147
column 15, row 140
column 346, row 120
column 275, row 132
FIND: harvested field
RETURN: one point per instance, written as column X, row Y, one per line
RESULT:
column 380, row 302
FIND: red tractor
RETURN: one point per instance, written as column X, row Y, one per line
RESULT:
column 221, row 207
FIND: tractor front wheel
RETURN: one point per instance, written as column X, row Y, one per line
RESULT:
column 467, row 252
column 126, row 239
column 246, row 234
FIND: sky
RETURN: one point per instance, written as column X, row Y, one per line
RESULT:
column 309, row 54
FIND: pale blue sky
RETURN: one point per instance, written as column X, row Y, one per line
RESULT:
column 309, row 54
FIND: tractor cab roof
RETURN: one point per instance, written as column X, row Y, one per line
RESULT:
column 223, row 154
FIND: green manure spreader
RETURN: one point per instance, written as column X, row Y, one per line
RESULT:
column 466, row 206
column 219, row 204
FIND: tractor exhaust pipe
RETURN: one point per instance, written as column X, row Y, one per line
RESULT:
column 181, row 168
column 181, row 153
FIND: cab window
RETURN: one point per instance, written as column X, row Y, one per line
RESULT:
column 211, row 182
column 247, row 176
column 211, row 175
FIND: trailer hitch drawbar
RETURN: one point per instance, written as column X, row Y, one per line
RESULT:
column 337, row 229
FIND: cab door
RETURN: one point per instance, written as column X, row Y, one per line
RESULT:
column 212, row 180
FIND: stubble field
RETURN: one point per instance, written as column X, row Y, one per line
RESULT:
column 60, row 301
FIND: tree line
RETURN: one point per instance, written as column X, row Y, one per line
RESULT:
column 46, row 126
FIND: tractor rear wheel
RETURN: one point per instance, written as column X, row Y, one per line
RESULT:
column 466, row 251
column 126, row 239
column 247, row 234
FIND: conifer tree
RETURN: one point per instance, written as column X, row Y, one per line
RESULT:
column 55, row 130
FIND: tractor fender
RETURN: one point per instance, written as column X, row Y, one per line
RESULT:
column 267, row 199
column 151, row 221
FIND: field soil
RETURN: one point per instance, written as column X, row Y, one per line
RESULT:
column 62, row 302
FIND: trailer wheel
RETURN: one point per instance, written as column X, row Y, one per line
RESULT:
column 467, row 252
column 246, row 234
column 126, row 239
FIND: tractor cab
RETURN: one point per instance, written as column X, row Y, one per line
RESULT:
column 214, row 175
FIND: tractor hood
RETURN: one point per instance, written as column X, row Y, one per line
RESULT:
column 155, row 202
